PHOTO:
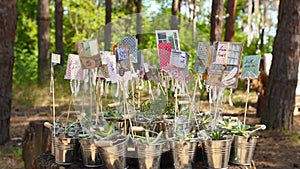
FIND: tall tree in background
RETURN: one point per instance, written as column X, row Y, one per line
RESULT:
column 139, row 5
column 280, row 103
column 108, row 24
column 194, row 19
column 59, row 45
column 8, row 22
column 249, row 38
column 174, row 18
column 229, row 32
column 216, row 20
column 43, row 21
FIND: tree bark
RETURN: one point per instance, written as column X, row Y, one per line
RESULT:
column 174, row 18
column 8, row 22
column 139, row 21
column 108, row 24
column 59, row 45
column 231, row 7
column 216, row 20
column 43, row 40
column 280, row 103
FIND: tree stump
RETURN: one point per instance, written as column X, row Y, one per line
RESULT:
column 35, row 142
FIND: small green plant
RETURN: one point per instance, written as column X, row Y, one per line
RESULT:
column 234, row 127
column 106, row 132
column 217, row 135
column 149, row 140
column 240, row 129
column 186, row 135
column 205, row 121
column 114, row 114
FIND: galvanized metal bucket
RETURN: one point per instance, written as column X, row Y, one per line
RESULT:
column 166, row 126
column 91, row 155
column 184, row 154
column 242, row 150
column 149, row 155
column 216, row 153
column 115, row 155
column 64, row 150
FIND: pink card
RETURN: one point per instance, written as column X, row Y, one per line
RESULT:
column 74, row 70
column 164, row 51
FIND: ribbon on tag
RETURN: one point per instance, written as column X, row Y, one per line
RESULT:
column 230, row 98
column 74, row 86
column 246, row 104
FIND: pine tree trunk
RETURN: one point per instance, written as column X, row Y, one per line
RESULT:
column 8, row 22
column 174, row 18
column 43, row 40
column 59, row 45
column 249, row 37
column 229, row 34
column 280, row 103
column 194, row 20
column 216, row 20
column 107, row 34
column 139, row 21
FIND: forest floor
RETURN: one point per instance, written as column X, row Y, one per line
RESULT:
column 275, row 149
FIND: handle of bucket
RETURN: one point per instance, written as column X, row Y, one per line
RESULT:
column 257, row 127
column 48, row 125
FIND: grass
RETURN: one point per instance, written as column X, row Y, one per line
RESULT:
column 295, row 137
column 11, row 157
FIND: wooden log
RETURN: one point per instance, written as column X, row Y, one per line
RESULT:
column 35, row 142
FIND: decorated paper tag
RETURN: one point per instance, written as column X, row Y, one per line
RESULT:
column 177, row 73
column 131, row 41
column 179, row 59
column 123, row 61
column 103, row 71
column 89, row 54
column 112, row 67
column 251, row 67
column 74, row 71
column 104, row 55
column 55, row 58
column 164, row 53
column 165, row 36
column 202, row 56
column 152, row 74
column 225, row 64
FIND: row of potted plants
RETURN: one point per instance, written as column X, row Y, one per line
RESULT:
column 106, row 144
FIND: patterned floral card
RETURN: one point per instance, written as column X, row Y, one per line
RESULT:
column 251, row 67
column 74, row 70
column 202, row 56
column 225, row 64
column 112, row 67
